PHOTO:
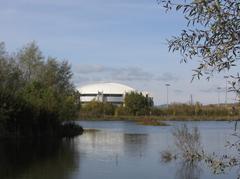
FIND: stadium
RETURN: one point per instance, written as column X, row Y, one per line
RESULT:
column 104, row 92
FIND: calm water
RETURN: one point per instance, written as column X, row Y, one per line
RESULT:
column 116, row 150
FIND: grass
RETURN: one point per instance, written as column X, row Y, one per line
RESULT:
column 142, row 120
column 151, row 122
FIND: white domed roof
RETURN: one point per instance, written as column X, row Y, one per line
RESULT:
column 105, row 88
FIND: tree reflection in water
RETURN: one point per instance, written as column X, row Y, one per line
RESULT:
column 188, row 170
column 189, row 156
column 48, row 159
column 135, row 145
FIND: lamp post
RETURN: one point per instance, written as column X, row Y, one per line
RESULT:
column 167, row 85
column 226, row 90
column 218, row 91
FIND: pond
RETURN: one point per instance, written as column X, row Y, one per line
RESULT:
column 113, row 150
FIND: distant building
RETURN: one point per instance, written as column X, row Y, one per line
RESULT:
column 104, row 92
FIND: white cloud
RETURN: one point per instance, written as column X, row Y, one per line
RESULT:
column 86, row 69
column 114, row 73
column 213, row 89
column 167, row 77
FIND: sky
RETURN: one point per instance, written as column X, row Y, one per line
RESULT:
column 110, row 41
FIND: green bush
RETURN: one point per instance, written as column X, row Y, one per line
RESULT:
column 97, row 109
column 121, row 111
column 196, row 110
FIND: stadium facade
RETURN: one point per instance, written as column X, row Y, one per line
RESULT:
column 104, row 92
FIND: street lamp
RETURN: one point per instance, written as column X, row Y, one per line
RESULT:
column 218, row 91
column 167, row 85
column 226, row 90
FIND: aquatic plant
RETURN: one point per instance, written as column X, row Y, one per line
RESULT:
column 190, row 151
column 188, row 142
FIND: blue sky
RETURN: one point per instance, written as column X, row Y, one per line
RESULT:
column 109, row 40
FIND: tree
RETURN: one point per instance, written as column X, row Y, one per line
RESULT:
column 10, row 75
column 97, row 109
column 30, row 61
column 2, row 49
column 213, row 35
column 137, row 104
column 36, row 94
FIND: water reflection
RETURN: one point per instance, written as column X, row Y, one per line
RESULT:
column 113, row 143
column 100, row 143
column 135, row 145
column 189, row 147
column 120, row 150
column 188, row 170
column 53, row 159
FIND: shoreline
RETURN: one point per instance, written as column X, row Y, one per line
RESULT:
column 160, row 118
